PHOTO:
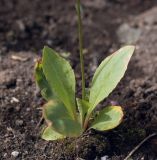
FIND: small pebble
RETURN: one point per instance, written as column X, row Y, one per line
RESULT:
column 5, row 154
column 9, row 129
column 49, row 42
column 13, row 99
column 28, row 109
column 17, row 108
column 18, row 58
column 104, row 158
column 114, row 103
column 19, row 122
column 65, row 54
column 15, row 154
column 21, row 25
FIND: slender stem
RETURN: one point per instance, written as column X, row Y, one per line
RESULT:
column 85, row 125
column 80, row 33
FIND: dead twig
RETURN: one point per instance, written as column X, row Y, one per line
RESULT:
column 139, row 145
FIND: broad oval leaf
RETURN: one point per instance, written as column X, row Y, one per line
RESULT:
column 61, row 78
column 108, row 74
column 108, row 118
column 57, row 116
column 50, row 134
column 41, row 81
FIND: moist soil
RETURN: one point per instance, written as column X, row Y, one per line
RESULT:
column 26, row 26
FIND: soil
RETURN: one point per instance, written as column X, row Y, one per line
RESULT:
column 26, row 26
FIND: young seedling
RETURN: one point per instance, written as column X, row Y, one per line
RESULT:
column 66, row 115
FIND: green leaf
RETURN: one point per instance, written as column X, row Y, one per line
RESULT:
column 87, row 92
column 57, row 116
column 50, row 135
column 108, row 118
column 83, row 107
column 61, row 78
column 108, row 74
column 40, row 78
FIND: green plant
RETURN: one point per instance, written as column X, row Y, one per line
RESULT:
column 66, row 115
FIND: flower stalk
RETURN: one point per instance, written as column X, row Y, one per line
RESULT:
column 80, row 34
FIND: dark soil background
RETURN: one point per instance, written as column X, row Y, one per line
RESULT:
column 26, row 26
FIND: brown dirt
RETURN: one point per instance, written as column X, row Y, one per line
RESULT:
column 25, row 26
